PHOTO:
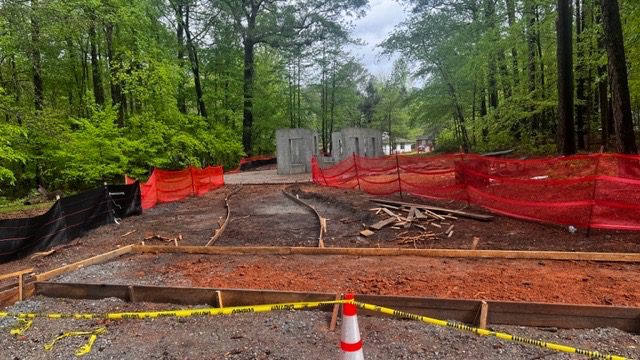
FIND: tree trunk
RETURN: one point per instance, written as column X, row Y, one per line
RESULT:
column 98, row 91
column 116, row 90
column 195, row 64
column 36, row 59
column 511, row 18
column 490, row 11
column 333, row 104
column 566, row 130
column 182, row 98
column 581, row 106
column 299, row 90
column 247, row 120
column 621, row 100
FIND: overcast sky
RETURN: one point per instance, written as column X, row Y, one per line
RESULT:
column 382, row 16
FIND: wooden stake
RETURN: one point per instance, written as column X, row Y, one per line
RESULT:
column 484, row 313
column 334, row 314
column 219, row 297
column 130, row 294
column 20, row 285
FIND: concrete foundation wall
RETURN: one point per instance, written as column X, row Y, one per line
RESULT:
column 295, row 147
column 359, row 141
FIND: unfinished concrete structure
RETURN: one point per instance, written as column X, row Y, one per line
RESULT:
column 295, row 147
column 360, row 141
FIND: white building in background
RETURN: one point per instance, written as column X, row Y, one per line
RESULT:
column 400, row 146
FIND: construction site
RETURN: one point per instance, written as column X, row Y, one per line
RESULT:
column 255, row 265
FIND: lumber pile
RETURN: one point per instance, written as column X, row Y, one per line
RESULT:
column 431, row 223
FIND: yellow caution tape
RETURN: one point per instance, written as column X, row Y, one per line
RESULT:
column 176, row 313
column 483, row 332
column 82, row 350
column 86, row 348
column 19, row 331
column 293, row 306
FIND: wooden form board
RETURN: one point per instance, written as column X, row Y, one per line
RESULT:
column 321, row 220
column 444, row 253
column 498, row 312
column 11, row 295
column 98, row 259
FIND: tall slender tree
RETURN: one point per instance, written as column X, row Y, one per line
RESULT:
column 618, row 77
column 566, row 129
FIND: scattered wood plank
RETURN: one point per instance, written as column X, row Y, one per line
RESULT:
column 470, row 215
column 381, row 224
column 420, row 215
column 42, row 254
column 436, row 225
column 474, row 246
column 390, row 213
column 128, row 233
column 412, row 214
column 367, row 233
column 450, row 229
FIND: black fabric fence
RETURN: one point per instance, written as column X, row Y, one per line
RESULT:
column 126, row 199
column 68, row 218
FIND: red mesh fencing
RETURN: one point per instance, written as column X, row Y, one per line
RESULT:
column 249, row 160
column 167, row 186
column 588, row 191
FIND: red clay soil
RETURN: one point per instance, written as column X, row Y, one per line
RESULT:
column 521, row 280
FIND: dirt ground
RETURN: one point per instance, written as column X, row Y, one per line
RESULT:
column 263, row 216
column 278, row 336
column 512, row 280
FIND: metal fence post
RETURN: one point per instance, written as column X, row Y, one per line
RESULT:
column 399, row 180
column 355, row 164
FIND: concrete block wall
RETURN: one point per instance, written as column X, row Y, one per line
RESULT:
column 295, row 147
column 360, row 141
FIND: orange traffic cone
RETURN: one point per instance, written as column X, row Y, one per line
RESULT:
column 350, row 341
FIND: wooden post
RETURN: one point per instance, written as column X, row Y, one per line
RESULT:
column 193, row 181
column 130, row 294
column 593, row 194
column 219, row 297
column 484, row 313
column 20, row 285
column 399, row 180
column 355, row 164
column 334, row 314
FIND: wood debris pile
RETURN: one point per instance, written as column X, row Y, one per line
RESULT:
column 432, row 222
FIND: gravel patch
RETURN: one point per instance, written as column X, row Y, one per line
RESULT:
column 277, row 335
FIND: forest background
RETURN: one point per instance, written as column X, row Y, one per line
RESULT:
column 93, row 89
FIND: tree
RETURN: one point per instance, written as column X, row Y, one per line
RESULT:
column 271, row 22
column 566, row 129
column 618, row 77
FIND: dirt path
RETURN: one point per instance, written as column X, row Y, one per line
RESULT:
column 264, row 216
column 522, row 280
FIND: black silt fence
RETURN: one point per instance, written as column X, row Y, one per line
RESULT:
column 68, row 218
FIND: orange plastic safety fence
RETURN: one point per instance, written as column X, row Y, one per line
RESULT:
column 588, row 191
column 167, row 185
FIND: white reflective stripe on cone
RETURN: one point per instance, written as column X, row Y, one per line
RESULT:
column 350, row 330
